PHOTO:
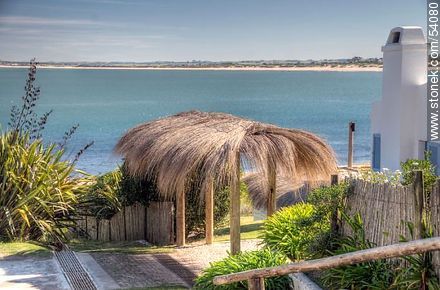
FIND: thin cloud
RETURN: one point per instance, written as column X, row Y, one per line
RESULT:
column 24, row 20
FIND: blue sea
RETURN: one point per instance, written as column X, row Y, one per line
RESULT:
column 106, row 103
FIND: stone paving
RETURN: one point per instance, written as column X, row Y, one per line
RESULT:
column 31, row 273
column 179, row 267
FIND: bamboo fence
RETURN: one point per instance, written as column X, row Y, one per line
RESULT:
column 385, row 209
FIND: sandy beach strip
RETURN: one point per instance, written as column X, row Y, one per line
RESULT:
column 349, row 68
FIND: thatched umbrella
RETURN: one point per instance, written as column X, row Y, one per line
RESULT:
column 288, row 191
column 174, row 149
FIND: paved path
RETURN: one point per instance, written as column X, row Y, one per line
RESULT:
column 179, row 267
column 31, row 273
column 116, row 271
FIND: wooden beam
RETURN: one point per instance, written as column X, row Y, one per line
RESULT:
column 180, row 219
column 271, row 195
column 385, row 252
column 256, row 284
column 234, row 224
column 334, row 180
column 209, row 213
column 419, row 200
column 351, row 128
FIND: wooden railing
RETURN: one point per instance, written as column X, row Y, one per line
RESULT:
column 256, row 277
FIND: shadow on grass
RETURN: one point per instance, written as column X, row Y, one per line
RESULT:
column 243, row 229
column 124, row 247
column 13, row 250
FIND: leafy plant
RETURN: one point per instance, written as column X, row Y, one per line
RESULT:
column 376, row 274
column 418, row 272
column 385, row 176
column 328, row 199
column 242, row 262
column 427, row 168
column 101, row 198
column 195, row 214
column 37, row 187
column 24, row 119
column 293, row 229
column 37, row 190
column 133, row 189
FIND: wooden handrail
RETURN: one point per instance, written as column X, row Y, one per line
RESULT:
column 385, row 252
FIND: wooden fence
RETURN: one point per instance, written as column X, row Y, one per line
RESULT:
column 384, row 209
column 434, row 204
column 153, row 223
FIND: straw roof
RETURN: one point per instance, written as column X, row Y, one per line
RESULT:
column 288, row 191
column 174, row 149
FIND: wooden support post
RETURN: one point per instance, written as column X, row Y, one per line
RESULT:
column 271, row 195
column 351, row 128
column 209, row 213
column 419, row 201
column 334, row 218
column 256, row 283
column 180, row 219
column 234, row 223
column 334, row 179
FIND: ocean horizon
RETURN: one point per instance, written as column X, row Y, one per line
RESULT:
column 106, row 103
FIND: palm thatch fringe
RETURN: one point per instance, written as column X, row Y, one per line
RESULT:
column 174, row 149
column 288, row 191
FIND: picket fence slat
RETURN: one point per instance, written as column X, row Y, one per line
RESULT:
column 154, row 223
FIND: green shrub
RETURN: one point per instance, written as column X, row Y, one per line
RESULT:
column 293, row 229
column 134, row 189
column 328, row 199
column 109, row 192
column 242, row 262
column 37, row 190
column 101, row 198
column 418, row 271
column 377, row 274
column 427, row 168
column 195, row 210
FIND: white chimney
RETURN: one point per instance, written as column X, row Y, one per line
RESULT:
column 398, row 121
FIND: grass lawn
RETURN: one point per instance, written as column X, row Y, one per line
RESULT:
column 159, row 288
column 23, row 249
column 125, row 247
column 249, row 229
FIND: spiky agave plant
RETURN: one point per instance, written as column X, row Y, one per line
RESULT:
column 37, row 189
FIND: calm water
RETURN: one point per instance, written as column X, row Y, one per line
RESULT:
column 107, row 102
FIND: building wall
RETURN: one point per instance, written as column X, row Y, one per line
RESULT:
column 400, row 116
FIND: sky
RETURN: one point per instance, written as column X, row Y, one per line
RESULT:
column 185, row 30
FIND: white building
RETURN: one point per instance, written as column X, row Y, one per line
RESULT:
column 398, row 120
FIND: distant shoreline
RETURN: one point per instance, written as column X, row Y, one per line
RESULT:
column 339, row 68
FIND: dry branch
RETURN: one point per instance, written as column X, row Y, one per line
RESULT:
column 385, row 252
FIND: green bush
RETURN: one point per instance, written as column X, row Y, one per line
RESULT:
column 37, row 190
column 377, row 274
column 427, row 168
column 109, row 192
column 242, row 262
column 328, row 199
column 195, row 210
column 134, row 189
column 293, row 230
column 101, row 198
column 418, row 271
